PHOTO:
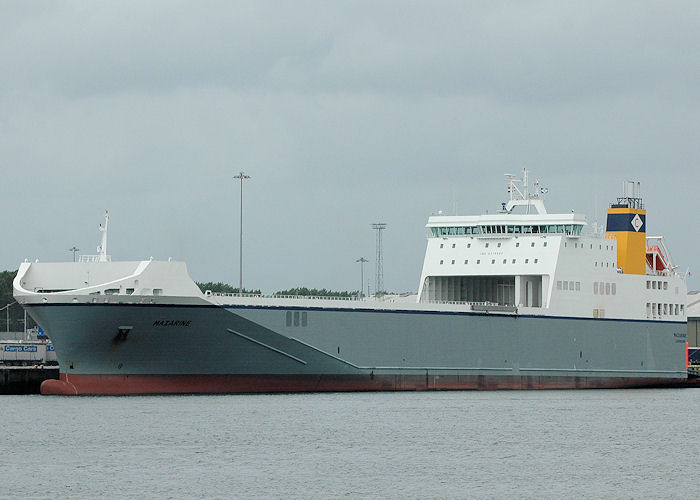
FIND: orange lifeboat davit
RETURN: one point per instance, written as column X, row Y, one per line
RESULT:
column 656, row 259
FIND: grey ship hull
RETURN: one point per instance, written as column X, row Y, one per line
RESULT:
column 210, row 349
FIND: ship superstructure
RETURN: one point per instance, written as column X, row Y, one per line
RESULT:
column 546, row 264
column 519, row 299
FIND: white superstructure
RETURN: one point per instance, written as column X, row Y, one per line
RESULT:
column 543, row 264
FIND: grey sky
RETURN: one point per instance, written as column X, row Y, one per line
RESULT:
column 344, row 114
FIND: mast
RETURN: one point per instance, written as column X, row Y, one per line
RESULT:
column 102, row 248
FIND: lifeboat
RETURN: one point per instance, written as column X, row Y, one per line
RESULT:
column 656, row 259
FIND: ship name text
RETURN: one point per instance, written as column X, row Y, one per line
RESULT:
column 172, row 322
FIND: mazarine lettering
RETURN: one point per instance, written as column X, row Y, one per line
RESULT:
column 170, row 322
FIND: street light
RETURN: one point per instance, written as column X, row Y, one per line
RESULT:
column 362, row 261
column 74, row 250
column 241, row 176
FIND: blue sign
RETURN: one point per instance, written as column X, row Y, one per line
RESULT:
column 20, row 348
column 50, row 347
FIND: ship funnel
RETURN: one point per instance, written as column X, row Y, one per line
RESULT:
column 627, row 224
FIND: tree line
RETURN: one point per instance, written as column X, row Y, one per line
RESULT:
column 220, row 287
column 16, row 313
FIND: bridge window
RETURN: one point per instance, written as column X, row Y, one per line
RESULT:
column 595, row 288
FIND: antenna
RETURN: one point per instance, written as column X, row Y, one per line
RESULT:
column 379, row 277
column 102, row 248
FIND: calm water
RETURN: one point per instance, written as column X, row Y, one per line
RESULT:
column 603, row 444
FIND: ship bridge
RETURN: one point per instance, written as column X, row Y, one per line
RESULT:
column 506, row 258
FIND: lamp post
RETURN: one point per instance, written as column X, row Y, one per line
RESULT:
column 241, row 176
column 74, row 250
column 362, row 261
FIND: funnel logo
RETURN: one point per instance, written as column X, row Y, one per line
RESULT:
column 637, row 223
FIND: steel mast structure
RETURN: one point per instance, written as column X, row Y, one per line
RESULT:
column 379, row 264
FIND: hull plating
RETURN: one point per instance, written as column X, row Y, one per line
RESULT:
column 242, row 384
column 130, row 349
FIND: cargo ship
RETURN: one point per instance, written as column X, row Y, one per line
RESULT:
column 518, row 299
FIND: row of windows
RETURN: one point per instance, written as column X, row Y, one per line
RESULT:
column 654, row 309
column 532, row 244
column 304, row 318
column 498, row 245
column 580, row 245
column 569, row 285
column 656, row 285
column 604, row 288
column 574, row 229
column 493, row 261
column 605, row 264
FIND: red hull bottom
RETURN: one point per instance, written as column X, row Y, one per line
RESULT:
column 239, row 384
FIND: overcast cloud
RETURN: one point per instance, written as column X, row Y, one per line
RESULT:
column 344, row 114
